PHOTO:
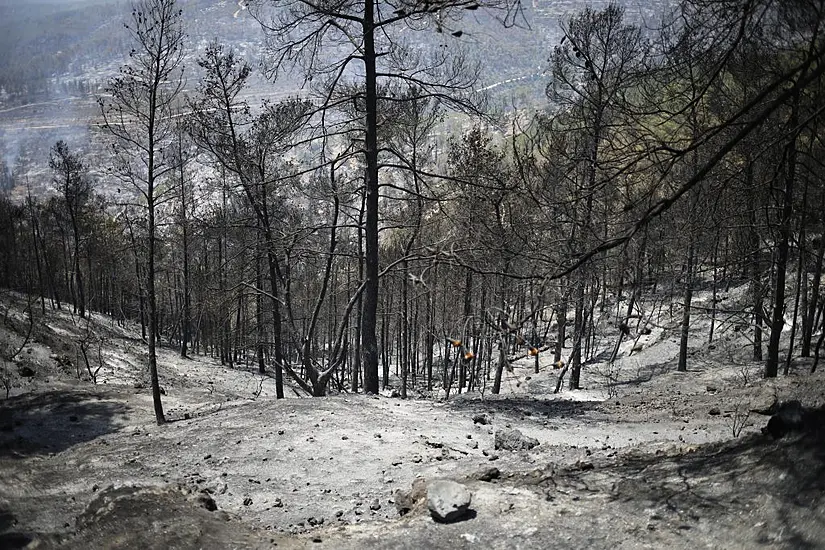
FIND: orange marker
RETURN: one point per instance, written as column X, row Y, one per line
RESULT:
column 469, row 355
column 533, row 352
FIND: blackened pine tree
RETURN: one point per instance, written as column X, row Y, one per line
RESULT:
column 137, row 111
column 73, row 185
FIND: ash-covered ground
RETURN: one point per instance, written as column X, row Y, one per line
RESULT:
column 643, row 457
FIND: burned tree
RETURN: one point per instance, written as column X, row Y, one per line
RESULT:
column 71, row 182
column 137, row 111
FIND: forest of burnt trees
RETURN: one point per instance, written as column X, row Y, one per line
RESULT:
column 341, row 239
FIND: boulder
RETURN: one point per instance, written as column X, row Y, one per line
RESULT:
column 159, row 518
column 448, row 500
column 513, row 440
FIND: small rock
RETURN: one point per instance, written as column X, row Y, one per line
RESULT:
column 714, row 411
column 207, row 502
column 73, row 418
column 448, row 500
column 481, row 418
column 514, row 440
column 247, row 501
column 487, row 474
column 344, row 437
column 711, row 389
column 375, row 505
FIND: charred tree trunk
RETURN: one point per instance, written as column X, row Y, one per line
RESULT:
column 369, row 315
column 813, row 300
column 782, row 247
column 685, row 331
column 579, row 328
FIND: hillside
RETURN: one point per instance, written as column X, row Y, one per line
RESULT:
column 58, row 56
column 643, row 457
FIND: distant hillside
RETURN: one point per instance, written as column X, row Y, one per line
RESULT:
column 57, row 56
column 51, row 47
column 45, row 40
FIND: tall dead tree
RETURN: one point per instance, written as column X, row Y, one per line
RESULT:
column 137, row 111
